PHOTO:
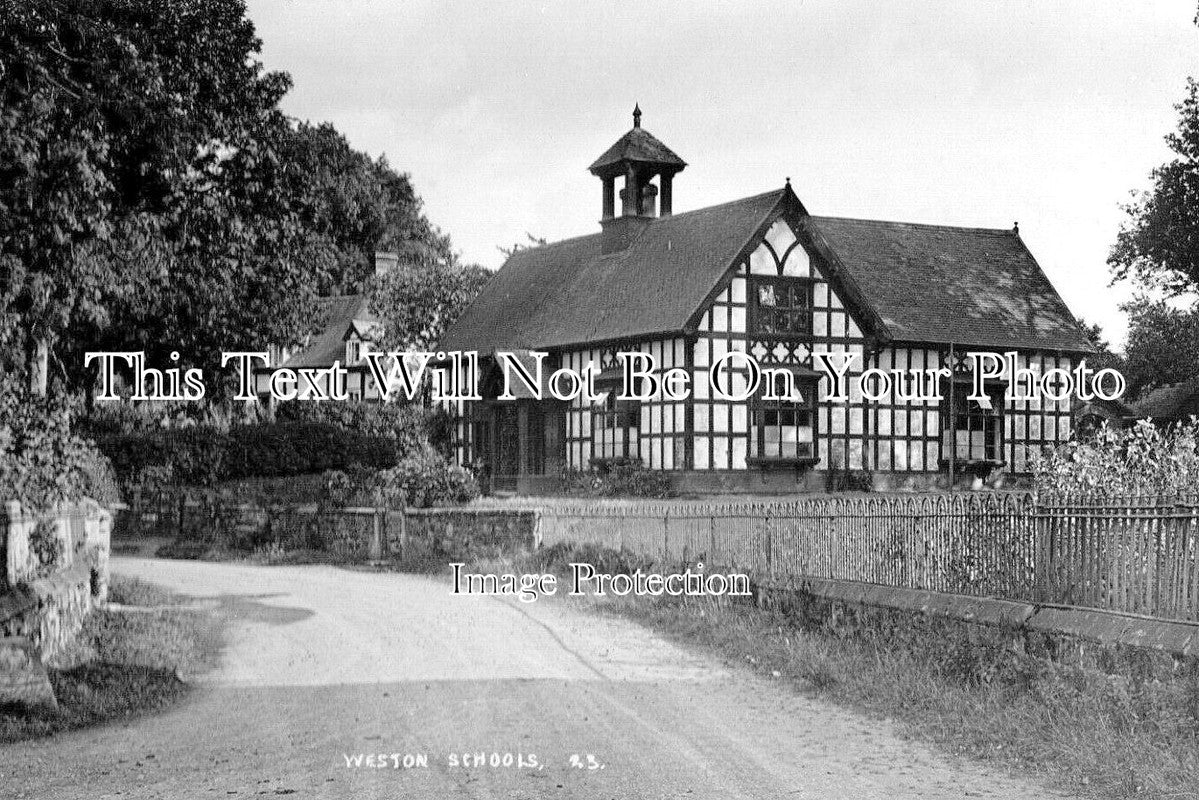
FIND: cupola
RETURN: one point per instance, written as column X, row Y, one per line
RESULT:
column 638, row 157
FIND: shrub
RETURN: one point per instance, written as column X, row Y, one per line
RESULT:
column 202, row 455
column 46, row 545
column 99, row 478
column 618, row 478
column 143, row 416
column 406, row 425
column 420, row 480
column 1142, row 459
column 42, row 463
column 191, row 455
column 424, row 479
column 298, row 448
column 606, row 560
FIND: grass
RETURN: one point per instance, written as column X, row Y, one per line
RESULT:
column 140, row 656
column 1096, row 735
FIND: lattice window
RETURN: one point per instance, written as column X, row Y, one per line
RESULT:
column 782, row 307
column 977, row 427
column 786, row 429
column 610, row 413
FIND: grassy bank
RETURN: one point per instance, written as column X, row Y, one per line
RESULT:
column 1096, row 735
column 140, row 653
column 1092, row 734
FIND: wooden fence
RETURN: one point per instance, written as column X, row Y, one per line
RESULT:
column 1138, row 555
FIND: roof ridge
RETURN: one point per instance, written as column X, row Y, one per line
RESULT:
column 1008, row 231
column 752, row 197
column 714, row 206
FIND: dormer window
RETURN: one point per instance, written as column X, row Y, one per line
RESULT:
column 353, row 351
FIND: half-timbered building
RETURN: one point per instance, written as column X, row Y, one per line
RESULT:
column 761, row 275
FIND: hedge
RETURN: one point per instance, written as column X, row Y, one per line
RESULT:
column 203, row 455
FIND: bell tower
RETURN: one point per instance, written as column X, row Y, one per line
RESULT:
column 637, row 157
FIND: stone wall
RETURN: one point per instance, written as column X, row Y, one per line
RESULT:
column 45, row 601
column 454, row 534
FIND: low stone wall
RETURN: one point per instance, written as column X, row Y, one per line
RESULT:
column 44, row 602
column 457, row 534
column 346, row 534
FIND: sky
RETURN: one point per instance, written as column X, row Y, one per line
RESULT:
column 980, row 113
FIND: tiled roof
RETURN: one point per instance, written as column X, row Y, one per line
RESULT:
column 637, row 145
column 1170, row 403
column 969, row 286
column 329, row 344
column 921, row 283
column 569, row 293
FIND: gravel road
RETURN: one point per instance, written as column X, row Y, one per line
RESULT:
column 347, row 684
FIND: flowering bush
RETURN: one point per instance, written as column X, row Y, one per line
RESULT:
column 1142, row 459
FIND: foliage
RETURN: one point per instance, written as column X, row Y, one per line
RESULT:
column 47, row 546
column 154, row 197
column 1103, row 357
column 533, row 241
column 99, row 479
column 849, row 480
column 967, row 688
column 425, row 478
column 1159, row 244
column 419, row 300
column 1142, row 460
column 339, row 488
column 619, row 478
column 605, row 560
column 143, row 416
column 202, row 456
column 421, row 479
column 139, row 180
column 41, row 462
column 356, row 205
column 1163, row 344
column 138, row 660
column 299, row 448
column 406, row 424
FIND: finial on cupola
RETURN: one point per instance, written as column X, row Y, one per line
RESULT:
column 637, row 159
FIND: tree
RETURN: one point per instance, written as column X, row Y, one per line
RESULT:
column 417, row 302
column 1163, row 344
column 534, row 241
column 1103, row 357
column 140, row 187
column 356, row 205
column 1159, row 244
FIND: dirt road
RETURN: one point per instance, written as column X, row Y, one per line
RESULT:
column 333, row 679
